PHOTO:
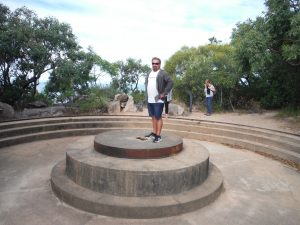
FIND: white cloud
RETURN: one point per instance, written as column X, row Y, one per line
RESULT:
column 141, row 29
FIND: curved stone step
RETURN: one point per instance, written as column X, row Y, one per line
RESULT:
column 285, row 154
column 138, row 177
column 272, row 139
column 253, row 146
column 135, row 207
column 79, row 119
column 245, row 132
column 219, row 132
column 71, row 125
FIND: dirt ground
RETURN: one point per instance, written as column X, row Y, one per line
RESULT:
column 268, row 119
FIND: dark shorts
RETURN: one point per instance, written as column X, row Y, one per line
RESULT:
column 155, row 109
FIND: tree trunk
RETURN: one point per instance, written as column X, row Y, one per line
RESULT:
column 190, row 100
column 231, row 104
column 221, row 98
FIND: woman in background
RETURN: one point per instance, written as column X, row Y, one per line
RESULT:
column 209, row 90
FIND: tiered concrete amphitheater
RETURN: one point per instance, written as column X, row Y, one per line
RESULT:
column 256, row 189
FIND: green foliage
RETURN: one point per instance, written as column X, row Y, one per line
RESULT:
column 268, row 56
column 129, row 75
column 138, row 96
column 72, row 77
column 96, row 100
column 190, row 67
column 43, row 98
column 102, row 68
column 261, row 65
column 29, row 48
column 290, row 112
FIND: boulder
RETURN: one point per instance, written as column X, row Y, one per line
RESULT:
column 114, row 107
column 43, row 112
column 6, row 111
column 130, row 107
column 121, row 98
column 36, row 104
column 175, row 110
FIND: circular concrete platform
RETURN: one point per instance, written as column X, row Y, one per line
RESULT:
column 138, row 177
column 135, row 207
column 133, row 144
column 259, row 190
column 135, row 187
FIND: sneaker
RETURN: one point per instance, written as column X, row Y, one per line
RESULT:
column 150, row 136
column 157, row 139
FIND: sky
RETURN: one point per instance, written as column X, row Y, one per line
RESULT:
column 141, row 29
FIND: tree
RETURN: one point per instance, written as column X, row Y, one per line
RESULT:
column 249, row 42
column 13, row 38
column 72, row 77
column 282, row 24
column 191, row 66
column 102, row 68
column 268, row 56
column 180, row 67
column 129, row 74
column 29, row 48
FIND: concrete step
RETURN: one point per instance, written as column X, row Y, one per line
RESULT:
column 244, row 144
column 279, row 140
column 135, row 207
column 274, row 139
column 257, row 131
column 138, row 177
column 80, row 122
column 232, row 134
column 44, row 121
column 67, row 126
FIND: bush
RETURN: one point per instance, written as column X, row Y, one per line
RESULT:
column 96, row 101
column 290, row 112
column 138, row 96
column 43, row 98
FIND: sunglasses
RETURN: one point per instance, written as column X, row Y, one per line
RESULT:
column 155, row 63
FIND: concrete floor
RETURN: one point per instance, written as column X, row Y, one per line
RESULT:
column 258, row 190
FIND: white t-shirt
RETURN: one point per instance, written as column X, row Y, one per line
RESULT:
column 211, row 94
column 151, row 88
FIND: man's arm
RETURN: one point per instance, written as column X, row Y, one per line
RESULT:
column 169, row 83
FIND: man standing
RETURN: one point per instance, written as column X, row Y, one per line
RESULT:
column 158, row 85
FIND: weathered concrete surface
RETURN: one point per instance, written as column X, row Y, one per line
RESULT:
column 133, row 144
column 258, row 190
column 136, row 207
column 137, row 177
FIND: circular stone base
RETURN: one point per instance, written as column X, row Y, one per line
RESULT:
column 138, row 177
column 135, row 207
column 133, row 144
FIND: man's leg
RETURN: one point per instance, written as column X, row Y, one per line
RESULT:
column 158, row 120
column 154, row 124
column 151, row 114
column 159, row 125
